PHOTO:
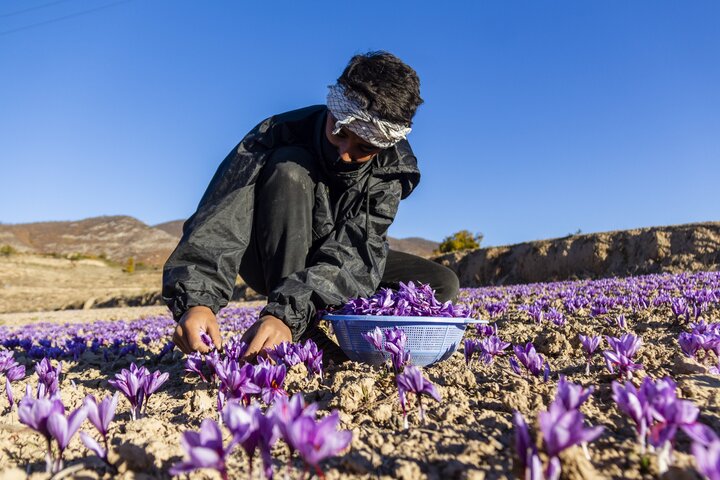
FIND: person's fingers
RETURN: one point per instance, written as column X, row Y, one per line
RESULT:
column 179, row 340
column 256, row 344
column 195, row 342
column 214, row 331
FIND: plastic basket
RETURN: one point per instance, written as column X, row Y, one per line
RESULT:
column 429, row 339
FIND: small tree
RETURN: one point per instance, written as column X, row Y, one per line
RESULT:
column 7, row 250
column 130, row 265
column 462, row 240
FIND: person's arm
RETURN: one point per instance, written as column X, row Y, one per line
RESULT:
column 347, row 264
column 199, row 276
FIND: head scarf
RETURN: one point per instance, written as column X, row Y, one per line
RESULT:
column 348, row 113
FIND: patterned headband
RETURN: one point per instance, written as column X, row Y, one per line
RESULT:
column 347, row 112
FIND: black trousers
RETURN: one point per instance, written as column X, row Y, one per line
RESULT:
column 282, row 240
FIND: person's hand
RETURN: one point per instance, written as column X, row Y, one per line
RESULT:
column 195, row 321
column 267, row 332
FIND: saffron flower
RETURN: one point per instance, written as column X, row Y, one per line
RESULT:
column 138, row 384
column 412, row 381
column 100, row 415
column 374, row 338
column 492, row 347
column 270, row 379
column 531, row 360
column 589, row 344
column 237, row 382
column 316, row 441
column 204, row 449
column 252, row 430
column 562, row 429
column 62, row 428
column 620, row 357
column 471, row 346
column 12, row 374
column 48, row 376
column 707, row 458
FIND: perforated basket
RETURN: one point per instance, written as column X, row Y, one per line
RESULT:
column 429, row 339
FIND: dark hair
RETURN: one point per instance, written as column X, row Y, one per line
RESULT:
column 383, row 85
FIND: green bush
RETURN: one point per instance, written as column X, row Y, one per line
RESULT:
column 7, row 250
column 130, row 265
column 462, row 240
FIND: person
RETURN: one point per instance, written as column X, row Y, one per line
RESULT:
column 300, row 209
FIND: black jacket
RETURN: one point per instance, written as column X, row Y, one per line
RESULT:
column 352, row 239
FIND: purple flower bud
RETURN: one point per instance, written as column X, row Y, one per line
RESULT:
column 374, row 338
column 203, row 449
column 100, row 415
column 524, row 446
column 570, row 396
column 412, row 381
column 471, row 346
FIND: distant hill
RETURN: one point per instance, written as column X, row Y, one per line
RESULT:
column 118, row 238
column 673, row 249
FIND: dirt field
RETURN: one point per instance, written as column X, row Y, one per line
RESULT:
column 469, row 435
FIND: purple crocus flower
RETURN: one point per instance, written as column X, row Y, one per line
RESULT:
column 620, row 357
column 131, row 384
column 152, row 383
column 49, row 376
column 621, row 322
column 707, row 458
column 285, row 411
column 236, row 381
column 13, row 374
column 396, row 346
column 492, row 347
column 563, row 428
column 194, row 364
column 235, row 348
column 556, row 317
column 531, row 360
column 471, row 346
column 252, row 430
column 316, row 441
column 634, row 403
column 412, row 380
column 101, row 414
column 486, row 330
column 311, row 355
column 204, row 449
column 286, row 353
column 63, row 428
column 374, row 338
column 570, row 395
column 690, row 343
column 524, row 446
column 589, row 344
column 270, row 379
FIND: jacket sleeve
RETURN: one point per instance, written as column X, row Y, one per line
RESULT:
column 203, row 267
column 347, row 264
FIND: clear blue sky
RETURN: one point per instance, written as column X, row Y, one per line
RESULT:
column 540, row 118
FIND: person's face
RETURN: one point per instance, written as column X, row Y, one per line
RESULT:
column 351, row 148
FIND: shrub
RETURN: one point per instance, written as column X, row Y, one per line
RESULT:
column 130, row 265
column 462, row 240
column 7, row 250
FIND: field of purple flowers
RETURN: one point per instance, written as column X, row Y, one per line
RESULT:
column 613, row 378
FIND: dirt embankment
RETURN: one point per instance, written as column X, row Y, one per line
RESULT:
column 678, row 248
